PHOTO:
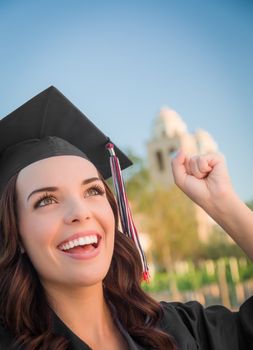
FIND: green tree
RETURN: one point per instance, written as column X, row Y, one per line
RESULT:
column 171, row 223
column 137, row 178
column 250, row 204
column 168, row 216
column 219, row 246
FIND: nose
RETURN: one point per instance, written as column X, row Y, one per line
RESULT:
column 77, row 210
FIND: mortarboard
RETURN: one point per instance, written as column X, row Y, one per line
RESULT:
column 49, row 125
column 51, row 119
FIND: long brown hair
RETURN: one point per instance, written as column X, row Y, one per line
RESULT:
column 24, row 308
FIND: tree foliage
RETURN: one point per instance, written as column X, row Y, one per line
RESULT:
column 219, row 246
column 250, row 204
column 171, row 223
column 137, row 177
column 168, row 217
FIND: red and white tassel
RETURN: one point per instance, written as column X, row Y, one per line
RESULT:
column 126, row 219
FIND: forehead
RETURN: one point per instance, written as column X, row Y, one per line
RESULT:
column 55, row 170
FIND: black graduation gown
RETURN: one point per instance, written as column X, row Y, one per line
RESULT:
column 193, row 327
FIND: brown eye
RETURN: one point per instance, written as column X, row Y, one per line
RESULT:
column 94, row 191
column 45, row 200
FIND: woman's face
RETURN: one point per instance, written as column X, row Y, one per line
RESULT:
column 65, row 221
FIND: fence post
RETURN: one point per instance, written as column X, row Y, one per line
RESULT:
column 223, row 284
column 240, row 295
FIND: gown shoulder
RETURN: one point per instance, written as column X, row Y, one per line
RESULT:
column 212, row 328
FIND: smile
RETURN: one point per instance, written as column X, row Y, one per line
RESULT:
column 80, row 242
column 82, row 245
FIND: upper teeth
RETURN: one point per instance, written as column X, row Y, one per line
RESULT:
column 79, row 241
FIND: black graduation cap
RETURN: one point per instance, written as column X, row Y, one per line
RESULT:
column 48, row 125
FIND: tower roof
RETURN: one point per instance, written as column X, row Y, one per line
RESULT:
column 168, row 124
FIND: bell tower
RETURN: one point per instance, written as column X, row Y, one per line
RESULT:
column 169, row 133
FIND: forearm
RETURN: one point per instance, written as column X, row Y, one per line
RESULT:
column 236, row 219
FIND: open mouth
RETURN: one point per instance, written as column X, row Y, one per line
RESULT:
column 81, row 244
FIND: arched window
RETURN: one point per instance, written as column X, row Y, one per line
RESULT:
column 160, row 161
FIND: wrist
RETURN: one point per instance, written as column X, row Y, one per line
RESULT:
column 225, row 205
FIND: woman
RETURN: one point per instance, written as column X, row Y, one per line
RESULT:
column 69, row 278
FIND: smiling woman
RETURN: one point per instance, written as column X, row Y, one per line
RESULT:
column 72, row 221
column 69, row 278
column 65, row 268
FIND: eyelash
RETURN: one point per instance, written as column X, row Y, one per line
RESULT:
column 99, row 192
column 42, row 198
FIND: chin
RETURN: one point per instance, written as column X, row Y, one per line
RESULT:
column 88, row 279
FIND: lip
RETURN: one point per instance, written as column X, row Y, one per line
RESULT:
column 84, row 255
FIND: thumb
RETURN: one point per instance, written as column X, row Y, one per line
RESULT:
column 178, row 168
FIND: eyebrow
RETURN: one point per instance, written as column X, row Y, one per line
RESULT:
column 54, row 188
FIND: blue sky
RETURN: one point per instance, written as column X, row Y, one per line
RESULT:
column 120, row 61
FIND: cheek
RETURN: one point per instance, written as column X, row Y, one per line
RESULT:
column 36, row 233
column 109, row 220
column 112, row 230
column 106, row 218
column 37, row 236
